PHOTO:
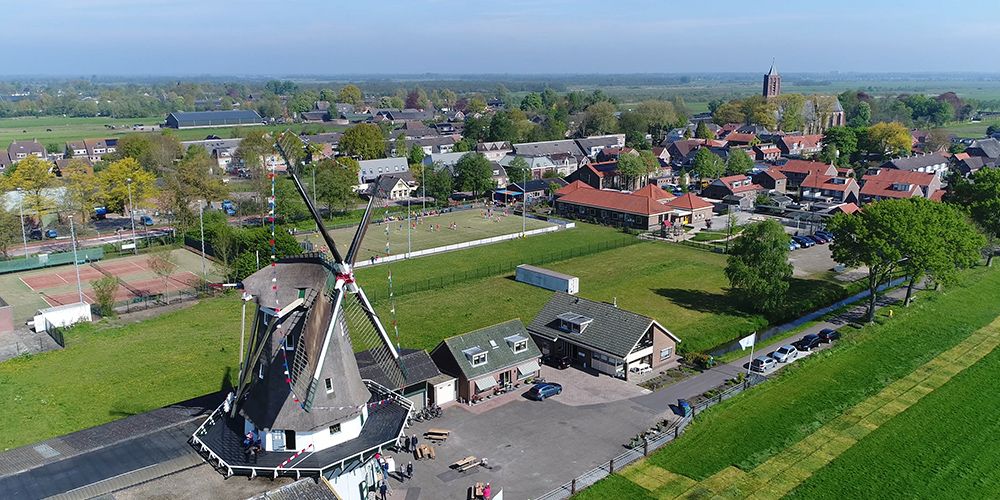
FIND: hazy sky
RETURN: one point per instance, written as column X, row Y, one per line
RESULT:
column 275, row 37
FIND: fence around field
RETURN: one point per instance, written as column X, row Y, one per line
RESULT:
column 43, row 260
column 459, row 246
column 496, row 269
column 651, row 443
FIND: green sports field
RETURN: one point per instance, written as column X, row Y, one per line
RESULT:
column 891, row 409
column 430, row 232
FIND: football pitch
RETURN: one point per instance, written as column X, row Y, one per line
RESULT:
column 429, row 232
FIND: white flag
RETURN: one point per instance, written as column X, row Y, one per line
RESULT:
column 748, row 341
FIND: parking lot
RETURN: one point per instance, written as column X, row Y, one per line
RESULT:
column 531, row 447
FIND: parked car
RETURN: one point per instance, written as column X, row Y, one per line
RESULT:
column 819, row 238
column 762, row 364
column 230, row 211
column 51, row 234
column 826, row 234
column 558, row 362
column 792, row 246
column 808, row 342
column 785, row 353
column 803, row 241
column 146, row 220
column 828, row 335
column 35, row 234
column 544, row 390
column 813, row 239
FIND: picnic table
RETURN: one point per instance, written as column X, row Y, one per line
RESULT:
column 465, row 463
column 437, row 434
column 424, row 451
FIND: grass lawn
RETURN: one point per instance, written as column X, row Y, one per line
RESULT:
column 971, row 130
column 681, row 287
column 749, row 429
column 471, row 226
column 935, row 449
column 108, row 373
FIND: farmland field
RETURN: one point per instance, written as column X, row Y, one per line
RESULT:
column 755, row 440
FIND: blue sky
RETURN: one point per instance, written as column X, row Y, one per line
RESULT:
column 275, row 37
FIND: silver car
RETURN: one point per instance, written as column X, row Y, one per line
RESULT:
column 762, row 364
column 785, row 353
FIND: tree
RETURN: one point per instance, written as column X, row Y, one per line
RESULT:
column 739, row 162
column 888, row 139
column 476, row 105
column 632, row 168
column 440, row 183
column 635, row 127
column 163, row 264
column 502, row 128
column 790, row 106
column 335, row 181
column 105, row 289
column 82, row 193
column 708, row 165
column 416, row 155
column 114, row 185
column 518, row 169
column 843, row 139
column 871, row 238
column 152, row 151
column 938, row 139
column 190, row 180
column 350, row 94
column 760, row 111
column 939, row 240
column 658, row 116
column 364, row 141
column 980, row 197
column 863, row 118
column 532, row 102
column 599, row 119
column 702, row 131
column 729, row 112
column 32, row 175
column 758, row 268
column 474, row 174
column 10, row 231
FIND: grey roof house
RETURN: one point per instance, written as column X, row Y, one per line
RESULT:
column 418, row 370
column 602, row 336
column 487, row 359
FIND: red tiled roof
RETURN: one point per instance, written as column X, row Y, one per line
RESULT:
column 689, row 202
column 774, row 174
column 614, row 200
column 768, row 149
column 805, row 167
column 653, row 192
column 845, row 172
column 730, row 180
column 847, row 208
column 961, row 156
column 730, row 127
column 820, row 181
column 739, row 137
column 804, row 141
column 937, row 195
column 882, row 184
column 573, row 187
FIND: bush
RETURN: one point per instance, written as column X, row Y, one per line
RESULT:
column 104, row 291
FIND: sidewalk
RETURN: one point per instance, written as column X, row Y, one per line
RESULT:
column 660, row 401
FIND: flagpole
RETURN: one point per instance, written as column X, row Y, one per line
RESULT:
column 752, row 345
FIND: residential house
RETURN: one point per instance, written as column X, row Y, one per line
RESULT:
column 415, row 130
column 488, row 359
column 766, row 152
column 771, row 179
column 201, row 119
column 615, row 152
column 448, row 128
column 446, row 160
column 796, row 171
column 429, row 145
column 800, row 145
column 420, row 375
column 223, row 151
column 934, row 163
column 988, row 149
column 663, row 156
column 19, row 150
column 494, row 151
column 741, row 139
column 536, row 190
column 885, row 183
column 540, row 166
column 733, row 185
column 603, row 337
column 969, row 165
column 395, row 187
column 371, row 169
column 828, row 189
column 682, row 152
column 328, row 143
column 678, row 134
column 604, row 175
column 315, row 116
column 595, row 144
column 67, row 166
column 546, row 148
column 402, row 115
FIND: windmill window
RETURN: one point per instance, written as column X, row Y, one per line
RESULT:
column 335, row 428
column 302, row 293
column 329, row 385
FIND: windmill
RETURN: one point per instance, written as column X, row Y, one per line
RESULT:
column 299, row 374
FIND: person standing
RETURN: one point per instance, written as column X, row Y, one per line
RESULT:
column 382, row 489
column 409, row 470
column 487, row 492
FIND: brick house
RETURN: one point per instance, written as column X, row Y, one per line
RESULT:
column 796, row 171
column 733, row 185
column 800, row 145
column 830, row 189
column 771, row 179
column 602, row 337
column 883, row 183
column 489, row 358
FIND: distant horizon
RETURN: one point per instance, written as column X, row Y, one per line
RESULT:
column 150, row 38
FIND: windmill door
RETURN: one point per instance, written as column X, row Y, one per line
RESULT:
column 290, row 440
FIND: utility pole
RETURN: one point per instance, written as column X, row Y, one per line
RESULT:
column 131, row 215
column 524, row 203
column 20, row 206
column 76, row 260
column 423, row 189
column 409, row 245
column 201, row 220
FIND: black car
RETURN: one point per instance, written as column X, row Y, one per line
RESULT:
column 807, row 343
column 559, row 362
column 828, row 335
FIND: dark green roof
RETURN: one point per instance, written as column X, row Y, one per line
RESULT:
column 499, row 357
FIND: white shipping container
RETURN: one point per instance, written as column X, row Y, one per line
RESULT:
column 547, row 279
column 62, row 316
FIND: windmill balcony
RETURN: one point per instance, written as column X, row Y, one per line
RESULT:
column 220, row 441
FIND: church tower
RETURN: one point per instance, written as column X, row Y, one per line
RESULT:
column 772, row 83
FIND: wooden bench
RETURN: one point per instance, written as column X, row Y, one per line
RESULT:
column 436, row 437
column 464, row 463
column 443, row 432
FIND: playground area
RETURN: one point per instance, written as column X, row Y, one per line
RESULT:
column 32, row 290
column 430, row 231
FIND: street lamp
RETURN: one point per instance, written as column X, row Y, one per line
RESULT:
column 76, row 260
column 20, row 207
column 131, row 215
column 201, row 222
column 524, row 203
